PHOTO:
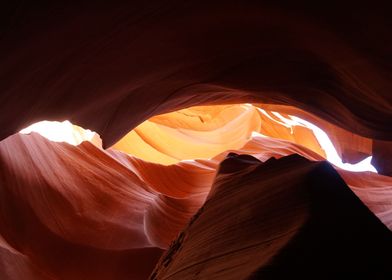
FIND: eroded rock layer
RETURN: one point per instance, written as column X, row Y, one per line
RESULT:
column 92, row 212
column 286, row 218
column 108, row 67
column 67, row 208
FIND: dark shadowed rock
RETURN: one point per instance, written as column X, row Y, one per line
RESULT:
column 286, row 218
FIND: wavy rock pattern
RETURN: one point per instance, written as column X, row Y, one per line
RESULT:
column 299, row 225
column 77, row 206
column 84, row 212
column 109, row 67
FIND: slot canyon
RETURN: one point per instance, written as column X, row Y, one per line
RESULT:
column 195, row 140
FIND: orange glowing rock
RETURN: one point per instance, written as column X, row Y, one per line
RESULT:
column 123, row 205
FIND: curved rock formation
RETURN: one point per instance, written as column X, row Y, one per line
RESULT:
column 130, row 71
column 77, row 206
column 109, row 67
column 306, row 224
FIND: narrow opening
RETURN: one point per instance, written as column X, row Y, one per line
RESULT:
column 203, row 132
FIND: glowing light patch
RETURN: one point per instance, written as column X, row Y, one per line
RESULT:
column 67, row 132
column 328, row 147
column 63, row 132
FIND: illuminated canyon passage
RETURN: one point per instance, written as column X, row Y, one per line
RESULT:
column 195, row 140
